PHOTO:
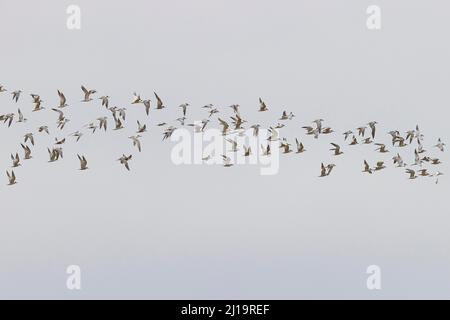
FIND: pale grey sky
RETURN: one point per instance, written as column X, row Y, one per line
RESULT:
column 165, row 231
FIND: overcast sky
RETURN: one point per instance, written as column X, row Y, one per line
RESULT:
column 166, row 231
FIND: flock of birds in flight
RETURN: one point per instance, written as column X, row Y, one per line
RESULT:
column 365, row 134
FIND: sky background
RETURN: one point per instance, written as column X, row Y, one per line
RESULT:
column 206, row 232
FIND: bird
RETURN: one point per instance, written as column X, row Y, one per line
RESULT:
column 234, row 145
column 61, row 115
column 29, row 136
column 225, row 126
column 213, row 111
column 285, row 146
column 105, row 101
column 15, row 160
column 141, row 128
column 424, row 173
column 398, row 160
column 136, row 141
column 160, row 104
column 273, row 134
column 329, row 168
column 412, row 174
column 27, row 152
column 87, row 94
column 400, row 140
column 347, row 134
column 284, row 116
column 255, row 128
column 266, row 150
column 354, row 141
column 235, row 108
column 55, row 154
column 147, row 106
column 237, row 122
column 323, row 170
column 318, row 123
column 8, row 118
column 184, row 107
column 60, row 142
column 440, row 145
column 92, row 126
column 361, row 131
column 124, row 160
column 262, row 106
column 300, row 146
column 78, row 135
column 119, row 124
column 43, row 129
column 11, row 178
column 336, row 149
column 83, row 162
column 382, row 148
column 103, row 123
column 417, row 159
column 367, row 167
column 372, row 125
column 16, row 95
column 21, row 117
column 2, row 89
column 380, row 166
column 327, row 130
column 62, row 123
column 226, row 161
column 62, row 100
column 168, row 133
column 410, row 134
column 247, row 151
column 181, row 120
column 136, row 98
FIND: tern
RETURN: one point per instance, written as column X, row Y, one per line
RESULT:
column 124, row 160
column 382, row 148
column 83, row 162
column 105, row 101
column 136, row 98
column 87, row 94
column 136, row 141
column 367, row 167
column 29, row 136
column 15, row 160
column 27, row 152
column 300, row 146
column 16, row 95
column 62, row 100
column 440, row 145
column 160, row 104
column 11, row 178
column 141, row 128
column 262, row 106
column 336, row 149
column 226, row 161
column 412, row 174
